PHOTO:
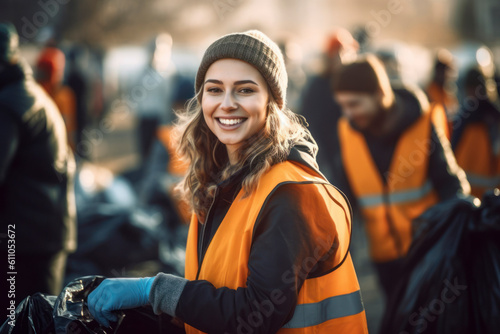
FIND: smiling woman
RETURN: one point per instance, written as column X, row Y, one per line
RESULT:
column 268, row 243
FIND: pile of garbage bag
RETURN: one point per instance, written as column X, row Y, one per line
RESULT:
column 68, row 314
column 123, row 226
column 450, row 282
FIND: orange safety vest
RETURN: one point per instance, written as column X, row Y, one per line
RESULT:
column 326, row 304
column 389, row 208
column 476, row 156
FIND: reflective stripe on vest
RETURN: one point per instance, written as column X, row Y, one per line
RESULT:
column 476, row 180
column 397, row 197
column 313, row 314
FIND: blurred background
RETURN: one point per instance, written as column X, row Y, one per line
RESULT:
column 127, row 64
column 109, row 43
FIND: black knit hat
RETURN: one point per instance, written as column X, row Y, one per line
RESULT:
column 9, row 42
column 367, row 74
column 255, row 48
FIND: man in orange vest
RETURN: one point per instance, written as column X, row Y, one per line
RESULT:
column 476, row 139
column 393, row 162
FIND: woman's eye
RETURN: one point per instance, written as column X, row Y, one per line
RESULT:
column 214, row 90
column 246, row 90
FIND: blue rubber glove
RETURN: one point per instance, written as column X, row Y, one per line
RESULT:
column 117, row 294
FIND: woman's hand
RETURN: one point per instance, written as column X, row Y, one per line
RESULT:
column 118, row 294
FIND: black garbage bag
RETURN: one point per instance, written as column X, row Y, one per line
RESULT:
column 32, row 316
column 68, row 314
column 484, row 264
column 109, row 239
column 450, row 281
column 113, row 239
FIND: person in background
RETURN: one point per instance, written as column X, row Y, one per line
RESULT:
column 158, row 78
column 164, row 169
column 267, row 250
column 318, row 105
column 50, row 75
column 476, row 139
column 391, row 162
column 36, row 171
column 442, row 88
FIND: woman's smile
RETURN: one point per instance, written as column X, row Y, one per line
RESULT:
column 230, row 123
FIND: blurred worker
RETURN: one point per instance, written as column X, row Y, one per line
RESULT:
column 442, row 88
column 50, row 74
column 392, row 164
column 476, row 139
column 164, row 169
column 318, row 105
column 155, row 108
column 36, row 170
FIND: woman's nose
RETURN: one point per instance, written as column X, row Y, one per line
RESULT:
column 228, row 104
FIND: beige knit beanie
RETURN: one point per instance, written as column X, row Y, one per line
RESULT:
column 255, row 48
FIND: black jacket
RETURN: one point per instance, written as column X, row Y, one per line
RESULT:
column 36, row 166
column 322, row 113
column 281, row 243
column 446, row 176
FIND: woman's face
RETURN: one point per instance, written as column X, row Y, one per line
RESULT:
column 234, row 102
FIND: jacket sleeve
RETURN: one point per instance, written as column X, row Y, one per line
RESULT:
column 448, row 179
column 282, row 244
column 9, row 137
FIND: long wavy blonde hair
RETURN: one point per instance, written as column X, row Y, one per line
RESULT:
column 208, row 160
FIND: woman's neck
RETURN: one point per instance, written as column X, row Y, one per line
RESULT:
column 232, row 153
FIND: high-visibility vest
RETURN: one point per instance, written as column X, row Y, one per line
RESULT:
column 475, row 154
column 388, row 208
column 327, row 304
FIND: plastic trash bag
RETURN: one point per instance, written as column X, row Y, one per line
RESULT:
column 32, row 316
column 114, row 239
column 71, row 314
column 485, row 266
column 450, row 282
column 68, row 314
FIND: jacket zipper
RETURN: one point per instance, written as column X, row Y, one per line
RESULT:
column 200, row 250
column 392, row 227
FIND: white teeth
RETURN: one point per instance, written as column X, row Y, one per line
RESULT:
column 231, row 121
